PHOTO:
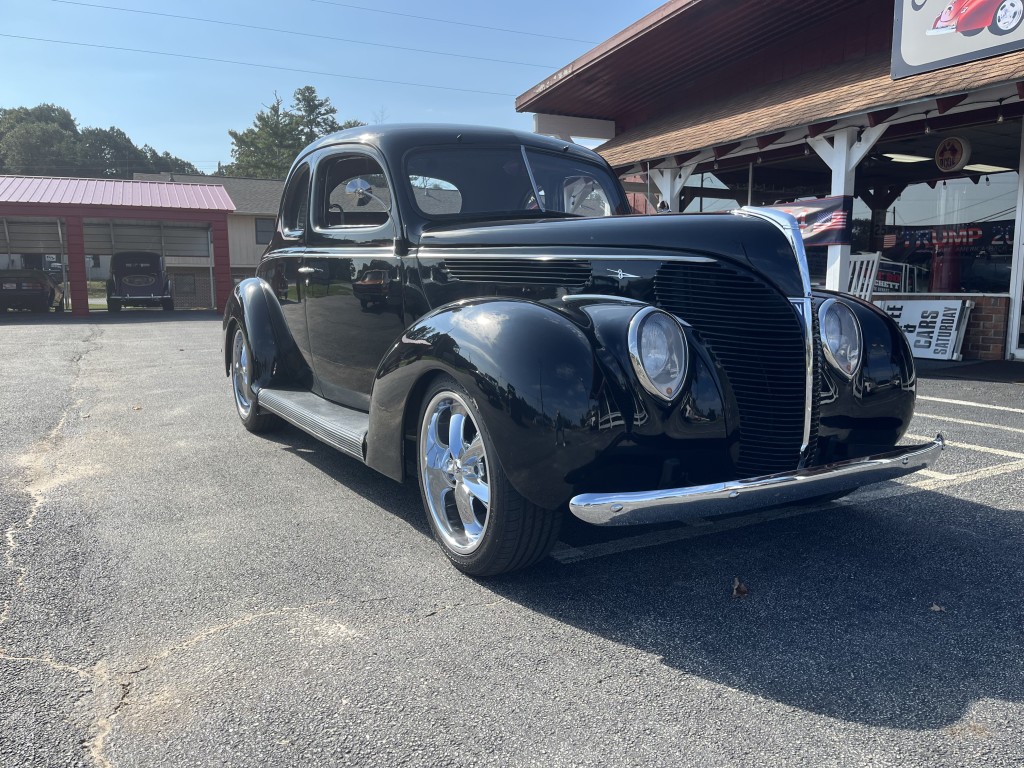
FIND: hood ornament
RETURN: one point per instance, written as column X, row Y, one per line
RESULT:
column 620, row 274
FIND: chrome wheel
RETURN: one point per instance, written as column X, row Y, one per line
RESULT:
column 454, row 473
column 1009, row 15
column 240, row 374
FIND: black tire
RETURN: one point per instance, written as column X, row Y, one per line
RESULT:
column 1013, row 15
column 241, row 385
column 60, row 305
column 167, row 304
column 481, row 537
column 113, row 305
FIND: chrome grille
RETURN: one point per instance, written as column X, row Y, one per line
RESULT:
column 556, row 272
column 756, row 336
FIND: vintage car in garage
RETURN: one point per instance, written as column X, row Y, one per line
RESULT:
column 540, row 351
column 138, row 279
column 31, row 289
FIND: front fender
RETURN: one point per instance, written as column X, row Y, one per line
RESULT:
column 533, row 377
column 276, row 358
column 873, row 410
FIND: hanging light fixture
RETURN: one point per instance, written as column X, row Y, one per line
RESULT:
column 999, row 112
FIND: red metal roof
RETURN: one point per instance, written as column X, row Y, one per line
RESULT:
column 114, row 192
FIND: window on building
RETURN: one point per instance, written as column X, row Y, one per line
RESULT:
column 185, row 284
column 264, row 231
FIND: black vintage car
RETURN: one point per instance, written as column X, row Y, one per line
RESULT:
column 137, row 279
column 31, row 289
column 531, row 349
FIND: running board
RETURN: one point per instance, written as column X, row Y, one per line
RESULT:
column 336, row 425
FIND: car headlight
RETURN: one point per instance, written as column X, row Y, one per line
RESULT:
column 658, row 351
column 841, row 337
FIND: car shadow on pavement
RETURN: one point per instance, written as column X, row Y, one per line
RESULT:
column 400, row 499
column 897, row 613
column 896, row 617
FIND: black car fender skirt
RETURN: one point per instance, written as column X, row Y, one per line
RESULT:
column 531, row 373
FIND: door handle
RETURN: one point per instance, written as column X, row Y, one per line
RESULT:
column 308, row 270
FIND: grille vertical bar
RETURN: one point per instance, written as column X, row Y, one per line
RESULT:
column 756, row 336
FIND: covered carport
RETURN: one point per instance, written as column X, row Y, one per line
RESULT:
column 71, row 219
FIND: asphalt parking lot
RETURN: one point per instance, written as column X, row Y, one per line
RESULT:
column 177, row 592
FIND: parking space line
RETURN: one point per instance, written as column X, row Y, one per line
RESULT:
column 969, row 403
column 968, row 477
column 935, row 475
column 971, row 447
column 967, row 423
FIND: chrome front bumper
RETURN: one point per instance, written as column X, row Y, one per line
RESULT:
column 677, row 504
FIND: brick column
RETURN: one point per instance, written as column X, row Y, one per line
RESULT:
column 76, row 266
column 221, row 262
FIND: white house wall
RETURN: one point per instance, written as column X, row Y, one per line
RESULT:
column 245, row 252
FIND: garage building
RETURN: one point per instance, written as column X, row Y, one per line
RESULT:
column 74, row 225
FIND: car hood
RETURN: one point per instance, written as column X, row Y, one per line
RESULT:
column 749, row 241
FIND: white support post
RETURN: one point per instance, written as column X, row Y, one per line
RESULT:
column 670, row 181
column 842, row 155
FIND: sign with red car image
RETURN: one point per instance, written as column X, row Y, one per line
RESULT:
column 932, row 34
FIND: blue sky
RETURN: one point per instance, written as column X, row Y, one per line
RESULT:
column 186, row 106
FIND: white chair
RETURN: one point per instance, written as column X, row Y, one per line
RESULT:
column 863, row 269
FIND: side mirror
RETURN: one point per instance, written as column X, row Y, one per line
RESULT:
column 361, row 189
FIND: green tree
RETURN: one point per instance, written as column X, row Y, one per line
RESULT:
column 45, row 141
column 266, row 148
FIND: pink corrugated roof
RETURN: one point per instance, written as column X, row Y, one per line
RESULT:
column 114, row 192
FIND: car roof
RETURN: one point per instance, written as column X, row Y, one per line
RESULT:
column 396, row 139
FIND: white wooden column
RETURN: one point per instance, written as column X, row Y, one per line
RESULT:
column 1014, row 349
column 842, row 155
column 670, row 181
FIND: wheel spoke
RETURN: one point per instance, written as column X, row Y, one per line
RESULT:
column 474, row 452
column 464, row 502
column 456, row 443
column 477, row 489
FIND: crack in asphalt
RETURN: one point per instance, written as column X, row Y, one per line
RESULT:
column 104, row 725
column 36, row 487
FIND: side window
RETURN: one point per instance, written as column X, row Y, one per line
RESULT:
column 296, row 204
column 354, row 193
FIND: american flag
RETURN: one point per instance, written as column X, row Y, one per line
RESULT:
column 889, row 241
column 823, row 221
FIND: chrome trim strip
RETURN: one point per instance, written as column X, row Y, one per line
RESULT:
column 485, row 252
column 570, row 297
column 791, row 229
column 805, row 310
column 678, row 504
column 533, row 182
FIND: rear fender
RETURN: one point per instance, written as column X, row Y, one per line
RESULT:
column 276, row 358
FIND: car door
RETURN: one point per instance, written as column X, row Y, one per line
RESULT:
column 353, row 296
column 283, row 266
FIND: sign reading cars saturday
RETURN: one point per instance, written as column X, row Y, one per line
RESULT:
column 934, row 329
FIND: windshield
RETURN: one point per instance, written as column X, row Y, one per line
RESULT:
column 475, row 182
